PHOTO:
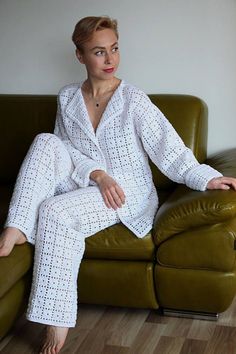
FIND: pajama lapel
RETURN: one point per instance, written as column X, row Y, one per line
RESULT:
column 76, row 110
column 114, row 108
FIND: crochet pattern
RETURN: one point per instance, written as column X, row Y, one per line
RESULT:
column 131, row 129
column 57, row 205
column 56, row 216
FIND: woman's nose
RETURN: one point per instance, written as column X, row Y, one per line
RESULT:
column 108, row 58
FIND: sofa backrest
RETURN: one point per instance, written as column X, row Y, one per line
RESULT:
column 22, row 117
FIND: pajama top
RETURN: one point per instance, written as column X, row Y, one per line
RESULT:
column 131, row 129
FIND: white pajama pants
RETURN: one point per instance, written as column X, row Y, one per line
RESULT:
column 56, row 216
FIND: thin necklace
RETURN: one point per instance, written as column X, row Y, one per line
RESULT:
column 111, row 88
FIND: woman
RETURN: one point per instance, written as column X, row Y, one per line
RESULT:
column 91, row 173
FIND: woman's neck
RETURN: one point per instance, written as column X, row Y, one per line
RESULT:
column 98, row 88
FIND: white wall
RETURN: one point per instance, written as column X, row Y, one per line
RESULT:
column 167, row 46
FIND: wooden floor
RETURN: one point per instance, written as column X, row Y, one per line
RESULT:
column 112, row 330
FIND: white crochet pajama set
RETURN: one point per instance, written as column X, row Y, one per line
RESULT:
column 57, row 206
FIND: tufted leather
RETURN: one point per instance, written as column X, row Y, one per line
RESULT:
column 187, row 209
column 118, row 242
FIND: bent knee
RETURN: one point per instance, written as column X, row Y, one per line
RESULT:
column 52, row 208
column 48, row 141
column 45, row 138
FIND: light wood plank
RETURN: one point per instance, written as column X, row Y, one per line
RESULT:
column 89, row 315
column 4, row 342
column 192, row 346
column 228, row 318
column 155, row 317
column 94, row 342
column 147, row 338
column 112, row 349
column 111, row 318
column 74, row 340
column 201, row 330
column 178, row 327
column 98, row 336
column 223, row 341
column 111, row 330
column 169, row 345
column 28, row 339
column 128, row 328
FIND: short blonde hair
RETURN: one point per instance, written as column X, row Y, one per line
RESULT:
column 86, row 27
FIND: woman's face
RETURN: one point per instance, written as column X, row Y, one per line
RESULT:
column 101, row 55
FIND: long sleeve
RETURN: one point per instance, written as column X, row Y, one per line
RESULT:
column 167, row 150
column 84, row 165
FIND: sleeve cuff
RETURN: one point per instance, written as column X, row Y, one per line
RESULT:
column 81, row 174
column 198, row 177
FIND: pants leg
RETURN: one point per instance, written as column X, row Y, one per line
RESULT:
column 44, row 172
column 64, row 223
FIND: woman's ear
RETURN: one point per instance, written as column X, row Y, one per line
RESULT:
column 79, row 56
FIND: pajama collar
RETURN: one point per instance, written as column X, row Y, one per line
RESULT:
column 77, row 111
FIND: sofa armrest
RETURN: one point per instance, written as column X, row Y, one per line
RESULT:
column 15, row 266
column 224, row 162
column 186, row 209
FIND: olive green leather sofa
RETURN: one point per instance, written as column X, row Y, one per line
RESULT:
column 187, row 262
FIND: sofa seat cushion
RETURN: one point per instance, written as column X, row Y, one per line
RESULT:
column 117, row 283
column 115, row 242
column 211, row 247
column 15, row 266
column 118, row 242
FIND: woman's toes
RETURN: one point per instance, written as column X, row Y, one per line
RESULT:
column 9, row 238
column 55, row 339
column 5, row 247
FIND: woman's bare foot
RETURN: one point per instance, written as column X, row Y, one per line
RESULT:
column 55, row 339
column 10, row 237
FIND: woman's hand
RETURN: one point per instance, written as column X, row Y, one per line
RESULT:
column 112, row 193
column 224, row 183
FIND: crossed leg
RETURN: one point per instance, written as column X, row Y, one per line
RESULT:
column 45, row 172
column 49, row 210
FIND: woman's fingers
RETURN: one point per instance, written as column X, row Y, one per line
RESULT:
column 121, row 194
column 223, row 186
column 224, row 183
column 111, row 199
column 112, row 193
column 106, row 201
column 229, row 181
column 114, row 197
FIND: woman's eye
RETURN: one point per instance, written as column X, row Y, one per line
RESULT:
column 103, row 52
column 99, row 53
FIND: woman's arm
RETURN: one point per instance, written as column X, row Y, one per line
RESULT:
column 167, row 150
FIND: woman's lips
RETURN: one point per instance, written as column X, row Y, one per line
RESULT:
column 110, row 70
